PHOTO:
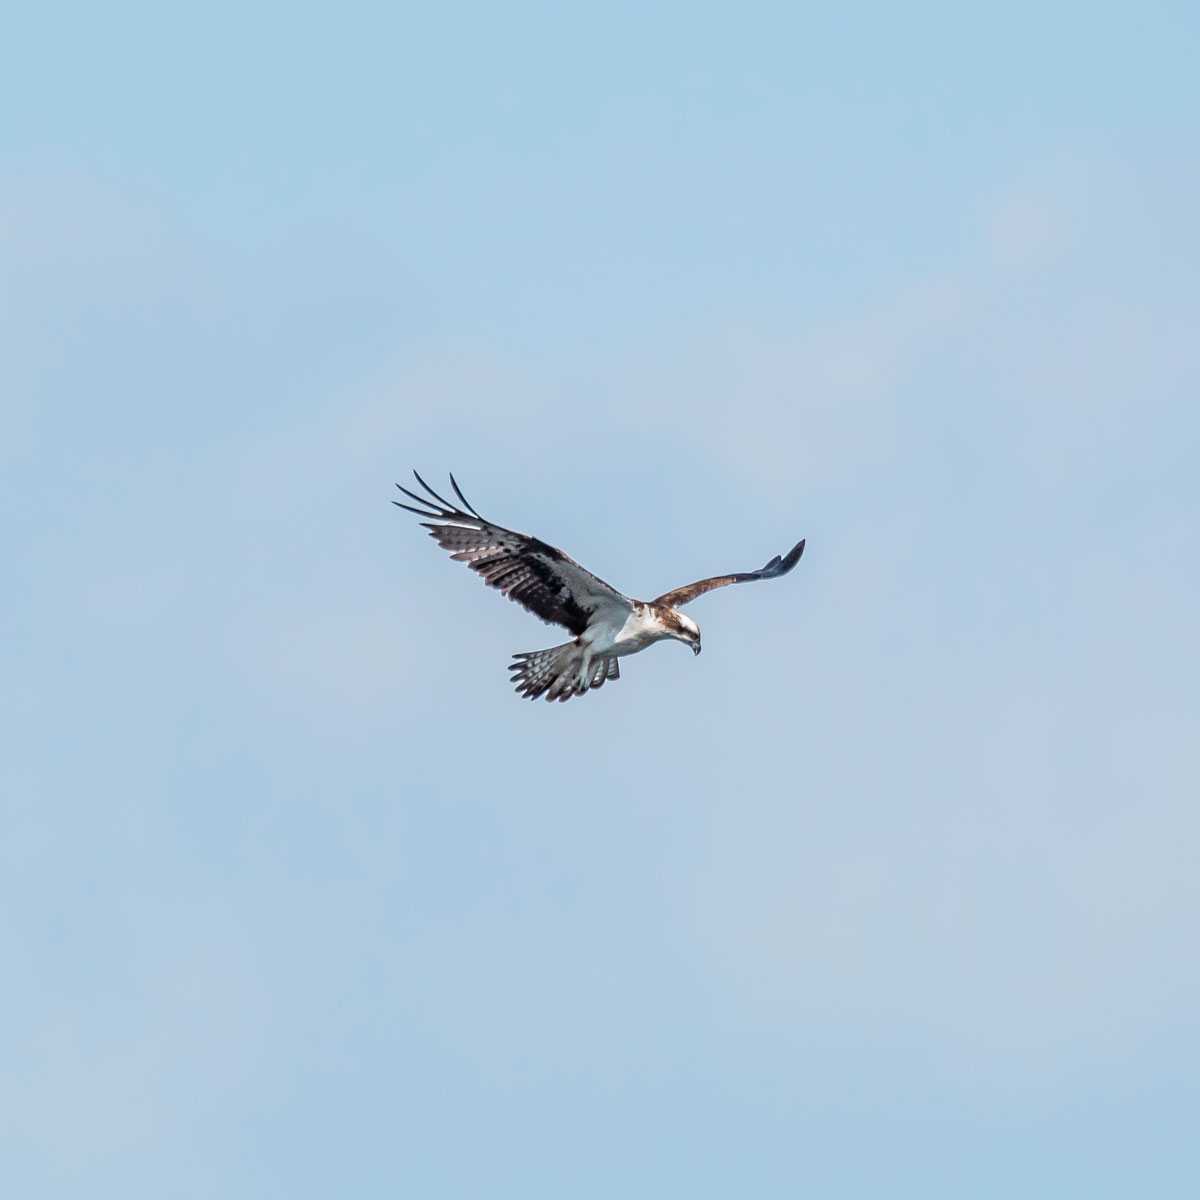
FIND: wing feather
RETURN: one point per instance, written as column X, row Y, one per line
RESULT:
column 776, row 567
column 540, row 578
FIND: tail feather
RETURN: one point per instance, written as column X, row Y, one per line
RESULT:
column 603, row 670
column 560, row 672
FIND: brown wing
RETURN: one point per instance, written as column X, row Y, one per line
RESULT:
column 538, row 577
column 776, row 567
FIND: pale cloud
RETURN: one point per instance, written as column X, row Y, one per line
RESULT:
column 817, row 404
column 1030, row 914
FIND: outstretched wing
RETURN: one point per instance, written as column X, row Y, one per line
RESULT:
column 537, row 576
column 776, row 567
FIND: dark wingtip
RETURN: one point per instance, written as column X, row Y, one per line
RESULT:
column 793, row 556
column 458, row 493
column 426, row 507
column 419, row 511
column 781, row 566
column 440, row 499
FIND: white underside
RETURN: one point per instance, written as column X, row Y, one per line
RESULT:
column 574, row 668
column 640, row 628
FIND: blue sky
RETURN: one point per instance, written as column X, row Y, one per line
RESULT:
column 893, row 892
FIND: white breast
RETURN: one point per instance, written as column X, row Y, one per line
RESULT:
column 640, row 629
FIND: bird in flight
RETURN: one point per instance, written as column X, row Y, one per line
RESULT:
column 604, row 624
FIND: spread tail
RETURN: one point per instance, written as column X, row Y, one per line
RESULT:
column 561, row 672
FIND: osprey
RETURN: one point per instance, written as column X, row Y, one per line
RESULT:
column 604, row 624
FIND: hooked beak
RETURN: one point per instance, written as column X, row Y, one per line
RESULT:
column 695, row 647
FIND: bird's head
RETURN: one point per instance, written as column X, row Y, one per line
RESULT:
column 686, row 630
